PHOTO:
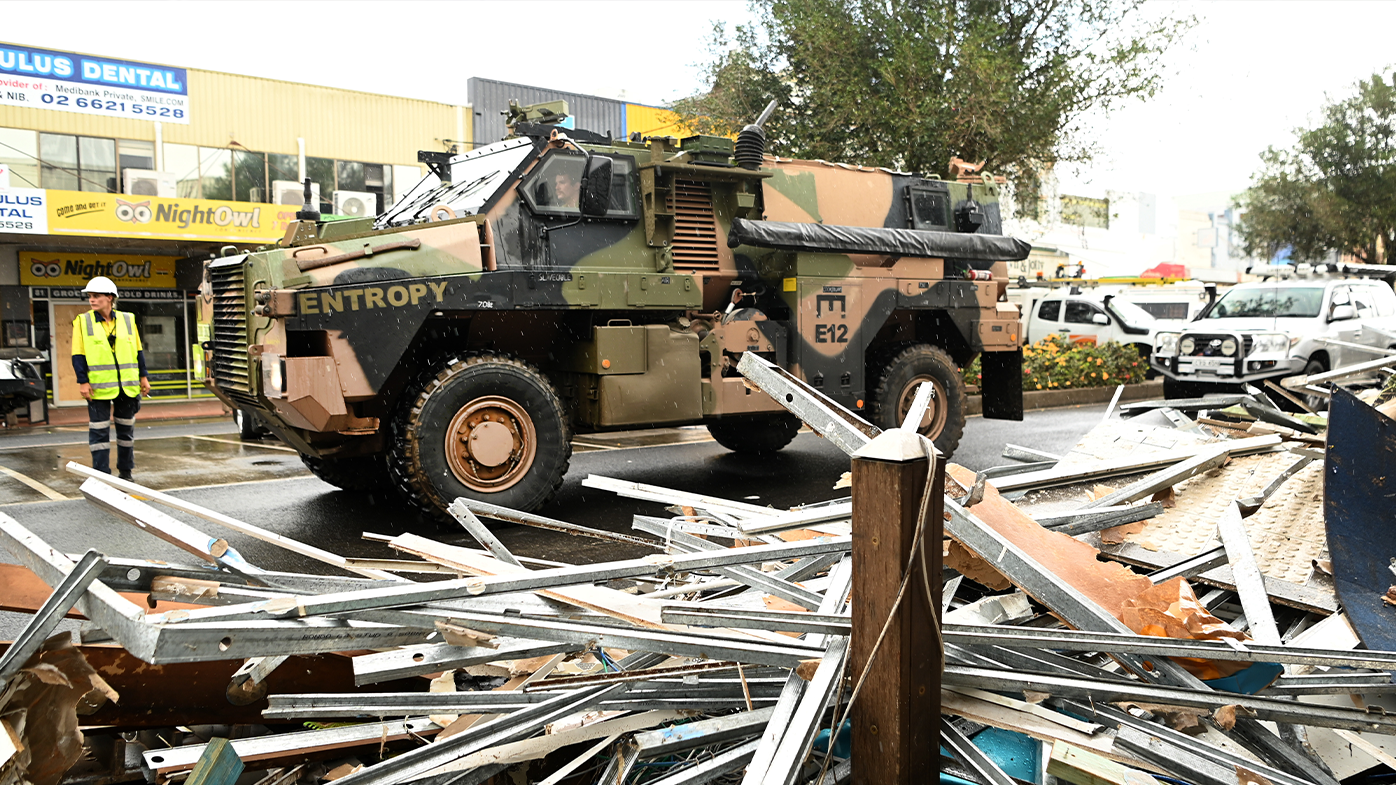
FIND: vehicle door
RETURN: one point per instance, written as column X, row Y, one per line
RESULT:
column 1381, row 330
column 1348, row 330
column 1045, row 320
column 1084, row 321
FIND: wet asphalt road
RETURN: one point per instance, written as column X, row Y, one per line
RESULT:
column 266, row 485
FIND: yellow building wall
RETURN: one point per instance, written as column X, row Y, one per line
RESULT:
column 268, row 115
column 653, row 121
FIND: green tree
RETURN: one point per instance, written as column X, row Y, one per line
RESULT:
column 911, row 83
column 1336, row 189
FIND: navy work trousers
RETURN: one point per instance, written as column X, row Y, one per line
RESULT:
column 123, row 409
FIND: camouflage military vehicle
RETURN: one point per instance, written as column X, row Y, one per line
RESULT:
column 558, row 282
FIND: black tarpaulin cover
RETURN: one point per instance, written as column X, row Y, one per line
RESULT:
column 820, row 238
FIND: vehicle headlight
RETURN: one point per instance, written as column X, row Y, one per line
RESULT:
column 1165, row 344
column 1229, row 347
column 1187, row 346
column 1271, row 343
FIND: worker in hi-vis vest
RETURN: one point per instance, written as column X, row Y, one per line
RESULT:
column 110, row 367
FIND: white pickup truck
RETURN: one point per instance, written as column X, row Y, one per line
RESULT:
column 1273, row 329
column 1098, row 315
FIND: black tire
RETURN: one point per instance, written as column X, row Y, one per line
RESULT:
column 1174, row 389
column 249, row 427
column 511, row 405
column 1317, row 403
column 359, row 474
column 901, row 374
column 756, row 435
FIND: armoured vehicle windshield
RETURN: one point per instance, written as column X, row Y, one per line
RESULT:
column 475, row 177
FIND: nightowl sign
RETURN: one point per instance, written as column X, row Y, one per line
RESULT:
column 69, row 82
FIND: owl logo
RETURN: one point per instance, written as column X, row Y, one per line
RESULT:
column 133, row 212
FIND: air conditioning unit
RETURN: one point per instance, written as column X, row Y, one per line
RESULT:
column 144, row 182
column 292, row 192
column 358, row 204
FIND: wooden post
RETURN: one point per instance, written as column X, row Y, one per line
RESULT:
column 219, row 765
column 896, row 720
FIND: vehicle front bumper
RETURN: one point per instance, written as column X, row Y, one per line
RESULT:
column 1227, row 370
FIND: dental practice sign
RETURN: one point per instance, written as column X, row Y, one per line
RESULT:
column 68, row 82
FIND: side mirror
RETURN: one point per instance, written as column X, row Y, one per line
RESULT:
column 596, row 192
column 1342, row 312
column 1100, row 318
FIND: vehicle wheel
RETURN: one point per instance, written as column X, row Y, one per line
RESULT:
column 759, row 435
column 359, row 474
column 1174, row 389
column 249, row 428
column 1317, row 403
column 944, row 422
column 487, row 427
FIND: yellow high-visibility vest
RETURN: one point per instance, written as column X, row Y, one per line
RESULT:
column 110, row 374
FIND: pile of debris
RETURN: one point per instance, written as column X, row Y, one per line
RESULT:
column 757, row 645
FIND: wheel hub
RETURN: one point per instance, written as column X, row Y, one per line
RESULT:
column 491, row 444
column 933, row 422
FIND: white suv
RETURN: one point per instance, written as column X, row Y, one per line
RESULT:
column 1268, row 330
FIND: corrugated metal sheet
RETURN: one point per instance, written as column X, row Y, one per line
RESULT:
column 268, row 115
column 490, row 99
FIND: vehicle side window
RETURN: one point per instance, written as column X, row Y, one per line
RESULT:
column 1341, row 296
column 1078, row 312
column 1362, row 301
column 1385, row 300
column 554, row 185
column 1050, row 310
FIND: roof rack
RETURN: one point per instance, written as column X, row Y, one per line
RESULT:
column 1324, row 270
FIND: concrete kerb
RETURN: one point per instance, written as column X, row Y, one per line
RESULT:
column 1059, row 399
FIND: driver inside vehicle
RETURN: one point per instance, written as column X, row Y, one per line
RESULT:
column 566, row 190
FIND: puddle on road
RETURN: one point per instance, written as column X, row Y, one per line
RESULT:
column 161, row 464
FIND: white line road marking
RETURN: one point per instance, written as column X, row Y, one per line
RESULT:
column 242, row 443
column 35, row 484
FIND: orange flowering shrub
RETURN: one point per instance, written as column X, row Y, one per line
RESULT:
column 1055, row 363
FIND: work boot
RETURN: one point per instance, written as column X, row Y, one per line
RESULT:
column 126, row 475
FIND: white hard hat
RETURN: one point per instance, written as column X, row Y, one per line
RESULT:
column 100, row 285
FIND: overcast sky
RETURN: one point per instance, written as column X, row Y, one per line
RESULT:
column 1248, row 74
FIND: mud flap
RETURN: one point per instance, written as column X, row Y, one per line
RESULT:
column 1001, row 385
column 1360, row 456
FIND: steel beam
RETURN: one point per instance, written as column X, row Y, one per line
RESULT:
column 1099, row 690
column 1166, row 478
column 1101, row 518
column 539, row 522
column 677, row 738
column 400, row 595
column 750, row 576
column 41, row 624
column 964, row 749
column 843, row 428
column 421, row 660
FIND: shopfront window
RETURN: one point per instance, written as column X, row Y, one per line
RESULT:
column 249, row 176
column 97, row 162
column 134, row 154
column 283, row 167
column 215, row 173
column 182, row 161
column 162, row 329
column 19, row 152
column 321, row 171
column 59, row 154
column 77, row 163
column 164, row 325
